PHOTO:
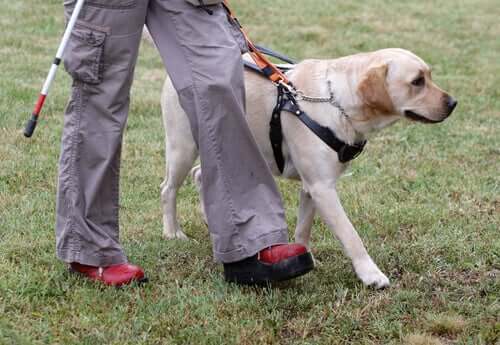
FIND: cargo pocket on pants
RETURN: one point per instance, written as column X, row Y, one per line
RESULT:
column 84, row 57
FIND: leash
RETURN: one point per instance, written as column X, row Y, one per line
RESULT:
column 266, row 66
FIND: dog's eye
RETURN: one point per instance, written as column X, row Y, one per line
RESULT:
column 420, row 81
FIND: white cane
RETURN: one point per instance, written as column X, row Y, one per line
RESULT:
column 30, row 126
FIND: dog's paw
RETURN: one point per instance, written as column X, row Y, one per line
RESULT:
column 377, row 280
column 178, row 235
column 371, row 275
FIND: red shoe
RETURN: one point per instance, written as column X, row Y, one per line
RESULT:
column 116, row 275
column 276, row 263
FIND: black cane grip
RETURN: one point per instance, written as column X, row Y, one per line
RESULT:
column 30, row 126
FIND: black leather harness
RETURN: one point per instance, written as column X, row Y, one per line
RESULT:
column 286, row 101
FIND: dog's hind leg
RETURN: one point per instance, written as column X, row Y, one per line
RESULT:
column 177, row 169
column 181, row 153
column 305, row 218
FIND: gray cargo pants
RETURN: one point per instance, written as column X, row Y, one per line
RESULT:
column 202, row 55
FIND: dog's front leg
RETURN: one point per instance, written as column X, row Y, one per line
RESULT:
column 305, row 218
column 329, row 207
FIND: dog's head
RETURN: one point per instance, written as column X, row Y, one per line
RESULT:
column 397, row 82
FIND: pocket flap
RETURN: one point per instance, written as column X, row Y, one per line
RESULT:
column 109, row 4
column 91, row 37
column 205, row 2
column 112, row 4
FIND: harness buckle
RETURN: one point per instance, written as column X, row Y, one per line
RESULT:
column 288, row 87
column 299, row 95
column 347, row 153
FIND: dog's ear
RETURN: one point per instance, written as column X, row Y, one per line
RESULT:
column 373, row 89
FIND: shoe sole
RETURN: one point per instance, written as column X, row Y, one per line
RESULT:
column 268, row 273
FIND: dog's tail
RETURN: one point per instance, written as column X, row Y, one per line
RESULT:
column 195, row 174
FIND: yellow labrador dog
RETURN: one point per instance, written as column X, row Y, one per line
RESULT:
column 374, row 89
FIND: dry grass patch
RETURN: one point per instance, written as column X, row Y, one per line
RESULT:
column 448, row 325
column 421, row 339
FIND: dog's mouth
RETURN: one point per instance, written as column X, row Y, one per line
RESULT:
column 419, row 118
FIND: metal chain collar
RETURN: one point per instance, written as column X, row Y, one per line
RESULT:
column 332, row 100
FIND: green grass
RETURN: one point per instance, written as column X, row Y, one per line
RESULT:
column 425, row 199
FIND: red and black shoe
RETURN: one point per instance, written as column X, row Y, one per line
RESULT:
column 116, row 275
column 277, row 263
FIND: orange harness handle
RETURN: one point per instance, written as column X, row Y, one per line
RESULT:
column 268, row 68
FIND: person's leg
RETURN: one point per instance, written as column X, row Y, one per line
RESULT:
column 244, row 209
column 100, row 57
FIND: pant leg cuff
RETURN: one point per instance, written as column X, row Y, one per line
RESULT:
column 69, row 256
column 253, row 246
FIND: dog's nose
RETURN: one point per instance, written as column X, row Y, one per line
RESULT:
column 452, row 103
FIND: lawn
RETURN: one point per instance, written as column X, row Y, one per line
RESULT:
column 425, row 199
